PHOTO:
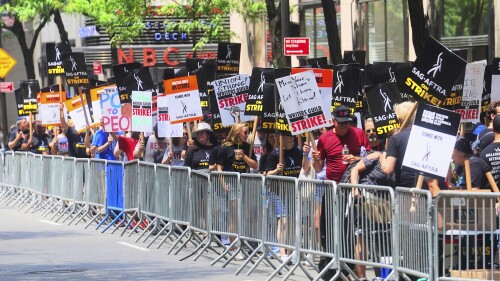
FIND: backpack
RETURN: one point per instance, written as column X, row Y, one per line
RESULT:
column 475, row 144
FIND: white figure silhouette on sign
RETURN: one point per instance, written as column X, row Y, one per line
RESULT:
column 339, row 85
column 262, row 82
column 139, row 82
column 391, row 74
column 387, row 101
column 437, row 66
column 229, row 52
column 73, row 63
column 58, row 54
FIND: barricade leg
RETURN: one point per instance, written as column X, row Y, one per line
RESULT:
column 152, row 224
column 158, row 226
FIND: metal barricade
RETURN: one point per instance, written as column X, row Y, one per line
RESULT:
column 145, row 197
column 2, row 167
column 94, row 192
column 224, row 193
column 282, row 218
column 161, row 205
column 365, row 218
column 413, row 232
column 466, row 235
column 11, row 169
column 114, row 184
column 311, row 193
column 77, row 185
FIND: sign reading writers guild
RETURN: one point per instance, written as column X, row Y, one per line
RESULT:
column 75, row 69
column 381, row 99
column 434, row 73
column 228, row 58
column 54, row 58
column 431, row 140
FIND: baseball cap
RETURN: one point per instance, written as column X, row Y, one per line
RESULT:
column 342, row 114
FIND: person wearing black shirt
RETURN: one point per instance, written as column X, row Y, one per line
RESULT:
column 76, row 141
column 18, row 135
column 233, row 155
column 202, row 155
column 487, row 135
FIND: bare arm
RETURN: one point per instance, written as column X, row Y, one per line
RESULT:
column 306, row 163
column 13, row 143
column 387, row 163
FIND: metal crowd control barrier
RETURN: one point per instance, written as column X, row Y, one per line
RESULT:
column 93, row 192
column 114, row 173
column 200, row 220
column 466, row 235
column 282, row 219
column 161, row 207
column 145, row 201
column 413, row 232
column 365, row 219
column 76, row 189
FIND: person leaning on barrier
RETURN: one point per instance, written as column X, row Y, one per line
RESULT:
column 371, row 133
column 392, row 159
column 129, row 147
column 202, row 154
column 59, row 145
column 18, row 134
column 268, row 148
column 103, row 145
column 258, row 145
column 155, row 148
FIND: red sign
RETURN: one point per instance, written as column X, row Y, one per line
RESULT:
column 6, row 87
column 297, row 46
column 97, row 68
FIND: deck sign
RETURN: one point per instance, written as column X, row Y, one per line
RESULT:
column 431, row 140
column 381, row 99
column 301, row 100
column 434, row 73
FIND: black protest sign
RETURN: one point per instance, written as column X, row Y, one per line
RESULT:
column 395, row 72
column 228, row 58
column 215, row 118
column 120, row 71
column 355, row 57
column 75, row 69
column 54, row 58
column 52, row 88
column 136, row 80
column 269, row 114
column 201, row 78
column 30, row 89
column 381, row 99
column 434, row 73
column 260, row 76
column 210, row 66
column 431, row 140
column 282, row 126
column 346, row 80
column 317, row 62
column 486, row 97
column 454, row 99
column 19, row 95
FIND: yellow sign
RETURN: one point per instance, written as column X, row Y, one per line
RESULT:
column 6, row 63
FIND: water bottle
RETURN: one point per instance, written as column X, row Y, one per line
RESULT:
column 345, row 151
column 362, row 152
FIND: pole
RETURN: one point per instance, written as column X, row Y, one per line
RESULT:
column 3, row 104
column 285, row 27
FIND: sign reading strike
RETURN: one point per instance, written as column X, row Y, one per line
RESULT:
column 434, row 73
column 183, row 99
column 165, row 128
column 302, row 102
column 49, row 108
column 54, row 57
column 112, row 119
column 472, row 92
column 297, row 46
column 232, row 96
column 434, row 129
column 75, row 108
column 142, row 115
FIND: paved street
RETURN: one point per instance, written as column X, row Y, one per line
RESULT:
column 35, row 248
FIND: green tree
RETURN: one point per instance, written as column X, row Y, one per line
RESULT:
column 203, row 20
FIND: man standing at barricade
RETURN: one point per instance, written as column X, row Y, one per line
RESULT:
column 17, row 135
column 103, row 145
column 371, row 133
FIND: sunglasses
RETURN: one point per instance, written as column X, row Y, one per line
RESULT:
column 246, row 132
column 370, row 131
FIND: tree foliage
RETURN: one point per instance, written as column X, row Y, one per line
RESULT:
column 203, row 20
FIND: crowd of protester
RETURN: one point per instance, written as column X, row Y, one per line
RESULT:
column 370, row 160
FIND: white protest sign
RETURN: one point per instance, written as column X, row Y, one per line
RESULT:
column 165, row 128
column 48, row 109
column 431, row 140
column 301, row 100
column 232, row 96
column 76, row 112
column 495, row 80
column 472, row 91
column 142, row 112
column 183, row 99
column 324, row 80
column 112, row 119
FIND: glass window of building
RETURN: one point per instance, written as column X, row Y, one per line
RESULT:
column 314, row 27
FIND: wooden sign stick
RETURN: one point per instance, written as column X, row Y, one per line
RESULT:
column 281, row 152
column 252, row 136
column 468, row 181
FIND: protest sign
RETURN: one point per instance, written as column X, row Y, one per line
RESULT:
column 357, row 56
column 431, row 140
column 381, row 99
column 260, row 76
column 30, row 89
column 231, row 94
column 486, row 96
column 75, row 69
column 434, row 73
column 165, row 128
column 183, row 99
column 49, row 108
column 324, row 79
column 142, row 111
column 136, row 80
column 269, row 113
column 383, row 72
column 317, row 62
column 112, row 119
column 228, row 58
column 495, row 80
column 472, row 92
column 281, row 125
column 95, row 94
column 215, row 118
column 121, row 71
column 76, row 108
column 345, row 86
column 302, row 102
column 19, row 93
column 54, row 57
column 209, row 65
column 454, row 99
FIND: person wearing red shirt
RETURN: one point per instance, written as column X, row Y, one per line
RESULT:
column 131, row 146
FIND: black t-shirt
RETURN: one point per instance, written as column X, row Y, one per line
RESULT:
column 76, row 143
column 226, row 159
column 200, row 157
column 39, row 143
column 491, row 155
column 478, row 170
column 263, row 162
column 397, row 148
column 292, row 159
column 485, row 138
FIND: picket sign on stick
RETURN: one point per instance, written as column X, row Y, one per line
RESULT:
column 281, row 153
column 59, row 82
column 31, row 128
column 141, row 138
column 83, row 105
column 252, row 136
column 493, row 183
column 462, row 129
column 468, row 181
column 188, row 129
column 300, row 142
column 312, row 140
